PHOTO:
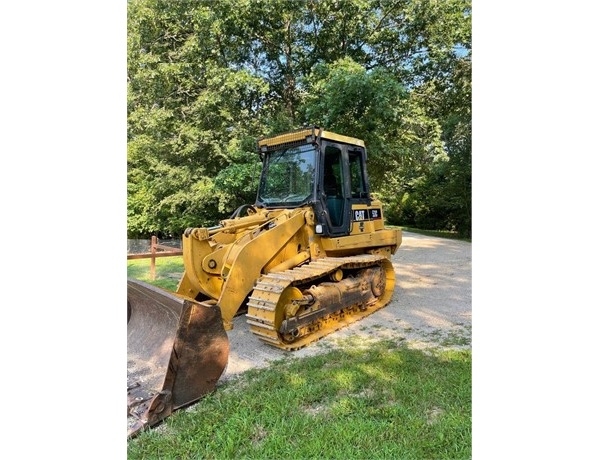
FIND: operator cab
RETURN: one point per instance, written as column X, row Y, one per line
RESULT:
column 318, row 168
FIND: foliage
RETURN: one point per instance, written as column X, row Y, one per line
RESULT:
column 383, row 400
column 189, row 117
column 206, row 78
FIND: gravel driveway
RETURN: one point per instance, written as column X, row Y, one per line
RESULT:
column 431, row 306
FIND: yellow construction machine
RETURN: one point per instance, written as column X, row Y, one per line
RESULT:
column 310, row 256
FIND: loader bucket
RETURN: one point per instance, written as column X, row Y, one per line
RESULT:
column 177, row 349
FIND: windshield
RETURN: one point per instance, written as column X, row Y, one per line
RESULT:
column 288, row 176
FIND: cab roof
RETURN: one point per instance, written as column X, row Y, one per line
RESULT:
column 302, row 136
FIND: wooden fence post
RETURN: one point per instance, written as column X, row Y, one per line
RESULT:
column 153, row 259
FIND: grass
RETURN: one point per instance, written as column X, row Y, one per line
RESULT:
column 168, row 271
column 436, row 233
column 385, row 401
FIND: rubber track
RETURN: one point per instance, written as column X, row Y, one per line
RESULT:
column 263, row 301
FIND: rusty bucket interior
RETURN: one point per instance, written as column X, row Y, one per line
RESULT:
column 177, row 350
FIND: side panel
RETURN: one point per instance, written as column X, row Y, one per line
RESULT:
column 383, row 241
column 366, row 218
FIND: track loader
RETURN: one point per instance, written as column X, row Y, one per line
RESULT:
column 310, row 256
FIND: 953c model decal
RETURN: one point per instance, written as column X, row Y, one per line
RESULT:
column 366, row 214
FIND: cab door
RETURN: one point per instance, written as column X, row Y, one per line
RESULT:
column 346, row 191
column 336, row 193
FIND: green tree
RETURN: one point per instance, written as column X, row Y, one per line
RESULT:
column 208, row 77
column 402, row 141
column 443, row 199
column 189, row 117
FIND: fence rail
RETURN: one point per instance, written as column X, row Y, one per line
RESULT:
column 156, row 250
